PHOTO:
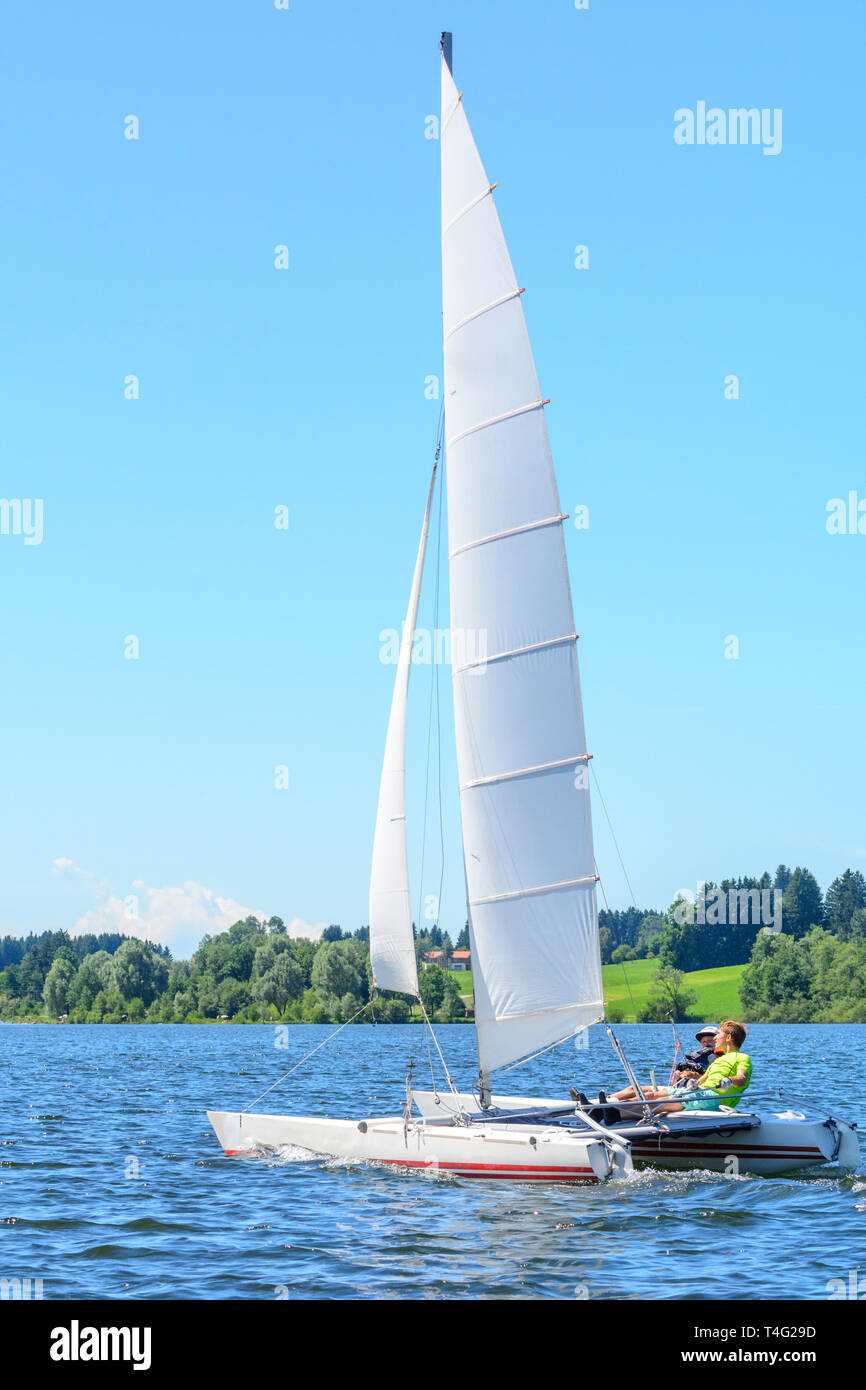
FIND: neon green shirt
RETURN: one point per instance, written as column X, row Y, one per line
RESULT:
column 728, row 1064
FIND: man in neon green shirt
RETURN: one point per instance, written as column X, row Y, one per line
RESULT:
column 724, row 1081
column 728, row 1076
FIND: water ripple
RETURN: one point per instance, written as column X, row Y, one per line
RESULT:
column 112, row 1184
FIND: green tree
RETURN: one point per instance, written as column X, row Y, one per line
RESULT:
column 649, row 932
column 284, row 980
column 845, row 896
column 93, row 974
column 55, row 991
column 801, row 903
column 857, row 927
column 669, row 996
column 335, row 973
column 394, row 1010
column 349, row 1006
column 268, row 953
column 304, row 952
column 233, row 996
column 452, row 1005
column 137, row 971
column 431, row 983
column 776, row 983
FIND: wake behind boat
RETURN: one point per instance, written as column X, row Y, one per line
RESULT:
column 524, row 787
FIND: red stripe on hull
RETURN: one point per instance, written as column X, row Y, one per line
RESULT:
column 815, row 1156
column 498, row 1170
column 530, row 1172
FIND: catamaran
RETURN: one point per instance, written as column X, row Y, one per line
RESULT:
column 524, row 789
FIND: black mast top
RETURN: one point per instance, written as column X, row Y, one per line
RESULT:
column 445, row 44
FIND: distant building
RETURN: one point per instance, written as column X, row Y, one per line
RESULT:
column 460, row 960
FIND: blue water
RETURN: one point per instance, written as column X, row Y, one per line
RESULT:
column 113, row 1185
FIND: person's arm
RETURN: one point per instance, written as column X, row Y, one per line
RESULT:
column 727, row 1082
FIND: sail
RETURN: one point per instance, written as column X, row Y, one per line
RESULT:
column 521, row 751
column 392, row 944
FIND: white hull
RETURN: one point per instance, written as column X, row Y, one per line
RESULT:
column 522, row 1153
column 785, row 1139
column 779, row 1141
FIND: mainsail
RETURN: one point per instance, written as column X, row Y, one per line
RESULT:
column 392, row 944
column 521, row 750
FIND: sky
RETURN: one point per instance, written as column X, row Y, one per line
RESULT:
column 141, row 782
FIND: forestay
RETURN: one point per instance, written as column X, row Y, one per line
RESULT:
column 392, row 944
column 521, row 752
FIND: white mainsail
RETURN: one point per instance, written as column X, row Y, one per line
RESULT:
column 392, row 944
column 521, row 751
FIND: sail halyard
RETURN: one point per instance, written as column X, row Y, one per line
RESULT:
column 521, row 751
column 392, row 942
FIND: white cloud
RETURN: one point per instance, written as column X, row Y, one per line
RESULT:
column 66, row 869
column 175, row 916
column 298, row 927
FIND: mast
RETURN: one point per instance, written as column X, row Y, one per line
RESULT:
column 521, row 749
column 445, row 44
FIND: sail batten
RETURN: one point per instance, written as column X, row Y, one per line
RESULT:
column 527, row 832
column 392, row 942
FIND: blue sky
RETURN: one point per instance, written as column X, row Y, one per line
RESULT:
column 305, row 388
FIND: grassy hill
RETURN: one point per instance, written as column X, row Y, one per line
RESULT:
column 718, row 990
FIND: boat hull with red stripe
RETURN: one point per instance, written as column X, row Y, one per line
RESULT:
column 782, row 1139
column 520, row 1153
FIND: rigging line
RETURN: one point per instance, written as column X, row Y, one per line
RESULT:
column 540, row 1053
column 613, row 837
column 624, row 875
column 323, row 1043
column 622, row 962
column 438, row 451
column 430, row 1060
column 436, row 682
column 454, row 1090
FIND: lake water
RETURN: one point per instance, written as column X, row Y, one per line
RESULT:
column 113, row 1185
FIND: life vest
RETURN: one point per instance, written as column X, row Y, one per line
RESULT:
column 728, row 1064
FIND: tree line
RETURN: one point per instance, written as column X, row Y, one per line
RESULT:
column 253, row 972
column 731, row 916
column 809, row 966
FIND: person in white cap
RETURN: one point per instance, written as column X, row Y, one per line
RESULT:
column 694, row 1064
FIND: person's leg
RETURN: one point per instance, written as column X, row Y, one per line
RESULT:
column 649, row 1094
column 635, row 1111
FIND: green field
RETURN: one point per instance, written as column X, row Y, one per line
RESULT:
column 718, row 990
